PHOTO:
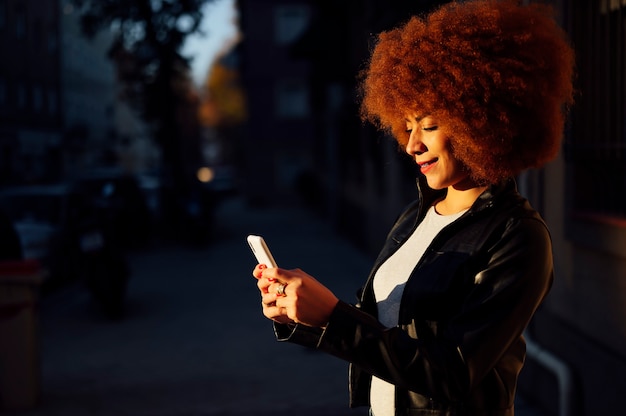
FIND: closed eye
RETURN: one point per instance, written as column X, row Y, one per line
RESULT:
column 431, row 128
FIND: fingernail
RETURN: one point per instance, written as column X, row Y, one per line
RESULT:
column 262, row 266
column 271, row 279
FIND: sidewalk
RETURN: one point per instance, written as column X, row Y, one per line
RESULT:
column 194, row 342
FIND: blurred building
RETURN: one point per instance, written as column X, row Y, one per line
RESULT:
column 30, row 91
column 88, row 94
column 100, row 130
column 299, row 62
column 581, row 195
column 280, row 135
column 60, row 113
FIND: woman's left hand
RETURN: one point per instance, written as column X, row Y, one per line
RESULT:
column 305, row 300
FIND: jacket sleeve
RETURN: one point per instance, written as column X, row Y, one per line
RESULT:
column 448, row 364
column 506, row 294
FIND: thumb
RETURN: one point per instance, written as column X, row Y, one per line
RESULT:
column 289, row 276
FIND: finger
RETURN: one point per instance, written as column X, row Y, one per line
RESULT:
column 258, row 270
column 268, row 298
column 269, row 285
column 270, row 273
column 272, row 311
column 288, row 276
column 264, row 285
column 286, row 313
column 282, row 302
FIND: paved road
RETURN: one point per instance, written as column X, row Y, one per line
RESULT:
column 194, row 342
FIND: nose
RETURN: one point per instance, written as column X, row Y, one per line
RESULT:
column 415, row 146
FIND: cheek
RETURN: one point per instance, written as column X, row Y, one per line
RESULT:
column 452, row 166
column 456, row 167
column 451, row 155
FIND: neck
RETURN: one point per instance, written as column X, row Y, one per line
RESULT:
column 457, row 200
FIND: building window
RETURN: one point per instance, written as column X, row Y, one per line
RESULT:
column 20, row 24
column 52, row 41
column 290, row 22
column 3, row 92
column 21, row 97
column 52, row 101
column 3, row 14
column 292, row 99
column 37, row 99
column 38, row 35
column 595, row 148
column 68, row 8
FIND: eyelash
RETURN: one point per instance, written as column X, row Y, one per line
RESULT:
column 433, row 128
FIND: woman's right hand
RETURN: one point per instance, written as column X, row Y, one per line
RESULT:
column 294, row 296
column 268, row 289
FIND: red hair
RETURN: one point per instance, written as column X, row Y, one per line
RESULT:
column 497, row 76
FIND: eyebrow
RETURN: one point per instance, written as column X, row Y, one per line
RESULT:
column 417, row 118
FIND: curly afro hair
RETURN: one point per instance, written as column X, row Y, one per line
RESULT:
column 496, row 74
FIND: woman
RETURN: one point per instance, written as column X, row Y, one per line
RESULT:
column 475, row 93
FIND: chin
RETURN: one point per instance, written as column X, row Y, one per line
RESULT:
column 436, row 187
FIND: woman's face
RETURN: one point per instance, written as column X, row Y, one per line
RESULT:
column 430, row 147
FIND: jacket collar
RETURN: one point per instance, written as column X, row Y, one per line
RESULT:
column 491, row 195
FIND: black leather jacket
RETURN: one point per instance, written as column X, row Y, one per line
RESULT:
column 458, row 347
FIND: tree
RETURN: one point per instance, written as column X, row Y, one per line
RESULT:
column 148, row 37
column 224, row 100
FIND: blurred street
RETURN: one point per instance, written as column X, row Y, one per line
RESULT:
column 194, row 341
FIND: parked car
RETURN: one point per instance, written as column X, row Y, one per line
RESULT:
column 41, row 216
column 122, row 202
column 10, row 244
column 62, row 229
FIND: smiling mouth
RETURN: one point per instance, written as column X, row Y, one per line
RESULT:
column 425, row 166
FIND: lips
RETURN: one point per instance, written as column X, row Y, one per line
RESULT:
column 426, row 166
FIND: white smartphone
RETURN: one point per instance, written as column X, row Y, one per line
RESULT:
column 261, row 251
